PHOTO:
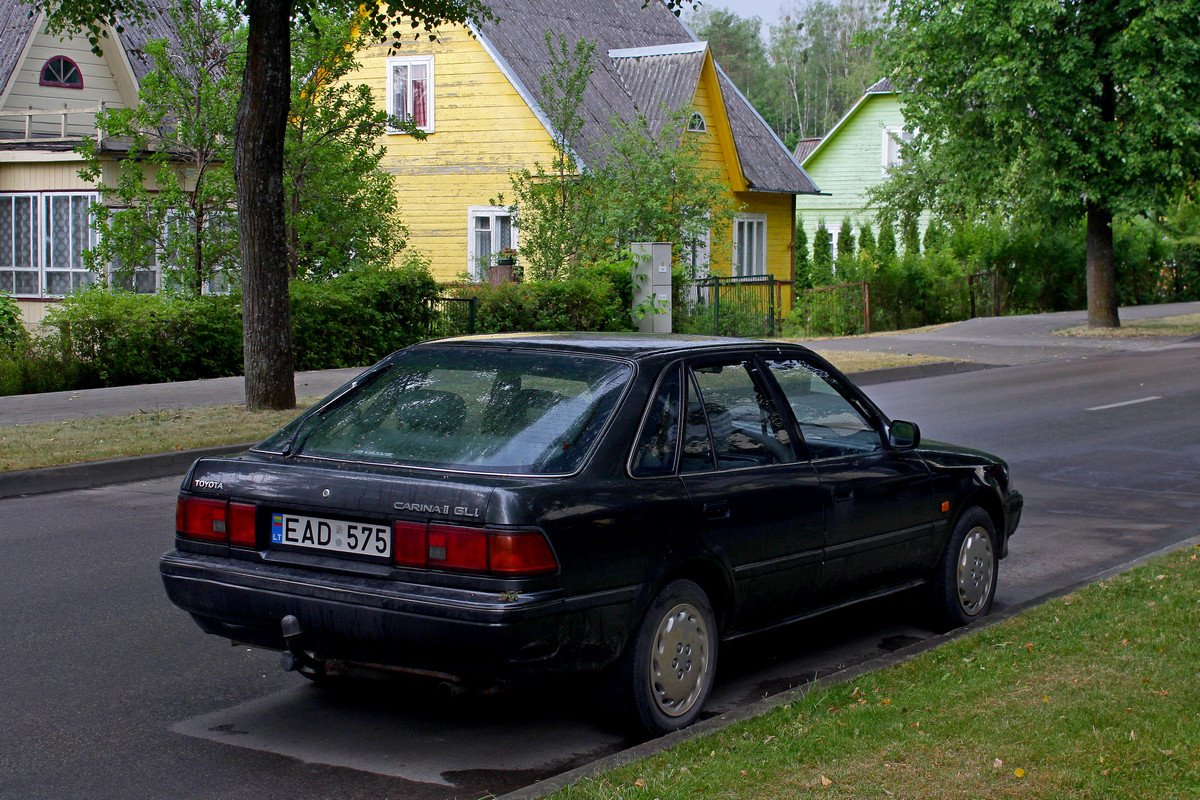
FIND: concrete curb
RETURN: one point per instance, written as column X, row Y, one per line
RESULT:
column 655, row 746
column 102, row 473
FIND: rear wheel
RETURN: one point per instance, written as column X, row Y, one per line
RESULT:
column 964, row 583
column 666, row 674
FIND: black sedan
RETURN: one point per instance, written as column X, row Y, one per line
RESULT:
column 489, row 509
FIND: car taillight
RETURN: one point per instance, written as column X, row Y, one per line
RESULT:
column 216, row 521
column 462, row 549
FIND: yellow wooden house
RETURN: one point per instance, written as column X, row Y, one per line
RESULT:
column 476, row 93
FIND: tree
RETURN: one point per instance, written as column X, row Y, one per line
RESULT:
column 341, row 205
column 342, row 210
column 1049, row 109
column 737, row 46
column 551, row 206
column 821, row 268
column 179, row 137
column 821, row 61
column 655, row 187
column 644, row 185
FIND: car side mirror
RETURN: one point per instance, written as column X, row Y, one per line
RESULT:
column 903, row 435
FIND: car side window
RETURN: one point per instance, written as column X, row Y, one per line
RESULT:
column 744, row 428
column 655, row 454
column 697, row 445
column 830, row 424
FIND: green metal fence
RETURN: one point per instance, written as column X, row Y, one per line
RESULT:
column 454, row 316
column 723, row 306
column 842, row 310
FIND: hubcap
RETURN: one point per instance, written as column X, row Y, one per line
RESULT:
column 975, row 571
column 679, row 660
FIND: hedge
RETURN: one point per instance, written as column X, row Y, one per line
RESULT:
column 102, row 338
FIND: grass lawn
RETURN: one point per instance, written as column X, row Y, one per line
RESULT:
column 54, row 443
column 1185, row 325
column 1095, row 695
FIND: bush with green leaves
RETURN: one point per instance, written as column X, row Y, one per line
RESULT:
column 12, row 330
column 596, row 298
column 102, row 338
column 120, row 338
column 358, row 318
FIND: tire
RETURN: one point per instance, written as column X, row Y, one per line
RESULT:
column 964, row 583
column 666, row 674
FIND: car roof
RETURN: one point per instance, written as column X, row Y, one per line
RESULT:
column 625, row 345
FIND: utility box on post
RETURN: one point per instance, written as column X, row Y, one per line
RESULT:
column 652, row 286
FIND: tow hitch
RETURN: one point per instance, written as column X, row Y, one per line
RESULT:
column 297, row 658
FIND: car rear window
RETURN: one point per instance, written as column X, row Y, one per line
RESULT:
column 473, row 409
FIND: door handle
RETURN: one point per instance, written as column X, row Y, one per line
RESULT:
column 716, row 509
column 843, row 492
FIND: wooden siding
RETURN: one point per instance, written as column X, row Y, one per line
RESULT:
column 483, row 130
column 849, row 164
column 99, row 84
column 34, row 313
column 54, row 176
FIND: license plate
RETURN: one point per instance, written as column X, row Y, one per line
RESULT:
column 331, row 535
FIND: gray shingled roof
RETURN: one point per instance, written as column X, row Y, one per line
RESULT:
column 804, row 147
column 668, row 78
column 883, row 86
column 629, row 84
column 16, row 26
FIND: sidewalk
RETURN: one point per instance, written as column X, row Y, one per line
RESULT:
column 973, row 344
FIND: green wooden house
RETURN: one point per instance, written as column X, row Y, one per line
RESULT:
column 854, row 156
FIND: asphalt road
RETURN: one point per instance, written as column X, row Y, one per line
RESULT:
column 110, row 692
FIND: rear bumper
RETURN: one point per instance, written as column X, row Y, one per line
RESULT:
column 468, row 634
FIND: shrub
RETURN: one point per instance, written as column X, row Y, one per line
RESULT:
column 120, row 338
column 598, row 298
column 12, row 330
column 358, row 318
column 102, row 338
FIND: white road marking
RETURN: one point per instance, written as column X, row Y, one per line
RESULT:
column 1126, row 403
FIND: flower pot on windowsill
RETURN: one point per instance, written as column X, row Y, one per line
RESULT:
column 502, row 272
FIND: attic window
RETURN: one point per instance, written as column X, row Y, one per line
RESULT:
column 696, row 123
column 61, row 71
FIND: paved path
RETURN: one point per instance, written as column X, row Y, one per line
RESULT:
column 1001, row 341
column 25, row 409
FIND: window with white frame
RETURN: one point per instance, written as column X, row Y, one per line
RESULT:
column 19, row 261
column 696, row 123
column 894, row 140
column 410, row 90
column 43, row 237
column 750, row 245
column 490, row 231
